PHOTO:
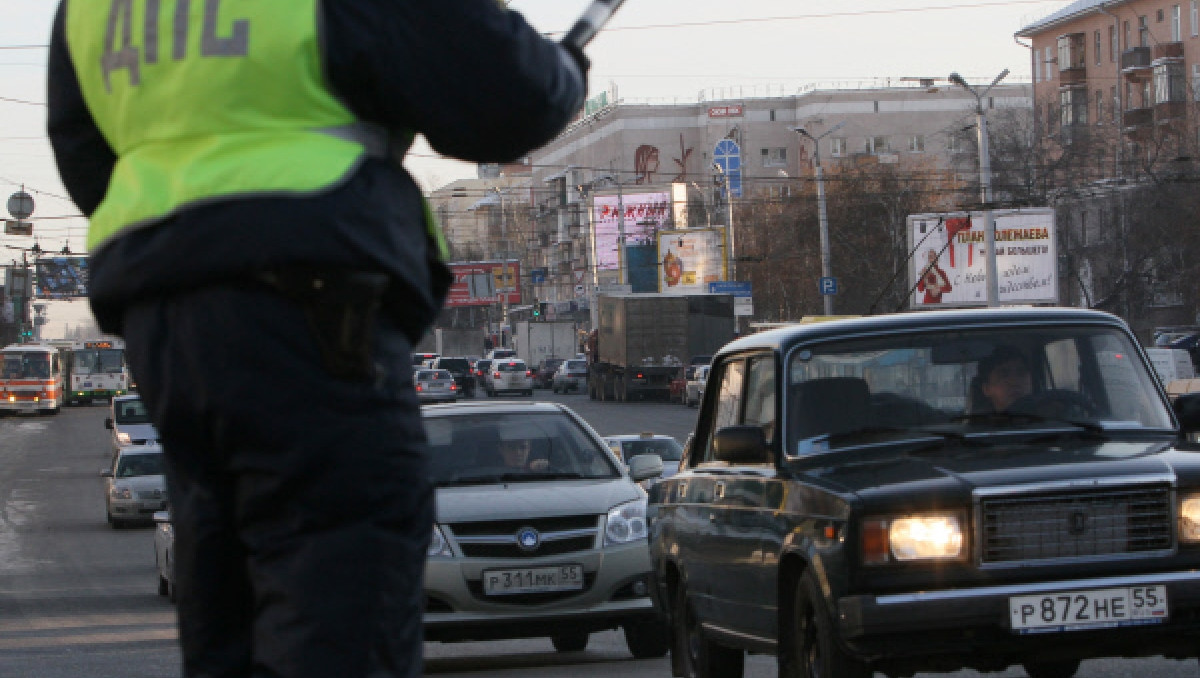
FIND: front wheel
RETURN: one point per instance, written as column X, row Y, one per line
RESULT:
column 698, row 656
column 647, row 640
column 570, row 642
column 814, row 651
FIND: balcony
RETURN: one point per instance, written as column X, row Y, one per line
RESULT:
column 1135, row 63
column 1168, row 50
column 1166, row 112
column 1068, row 77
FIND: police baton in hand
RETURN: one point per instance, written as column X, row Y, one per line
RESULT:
column 593, row 19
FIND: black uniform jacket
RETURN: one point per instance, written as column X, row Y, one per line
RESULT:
column 477, row 81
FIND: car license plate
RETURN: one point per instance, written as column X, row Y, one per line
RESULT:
column 533, row 580
column 1079, row 610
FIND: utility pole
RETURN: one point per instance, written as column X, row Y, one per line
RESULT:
column 826, row 253
column 985, row 184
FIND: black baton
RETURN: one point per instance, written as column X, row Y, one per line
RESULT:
column 593, row 19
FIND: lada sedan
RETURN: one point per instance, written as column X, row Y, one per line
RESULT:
column 540, row 531
column 930, row 492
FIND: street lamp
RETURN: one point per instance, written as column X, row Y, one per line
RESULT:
column 826, row 256
column 985, row 184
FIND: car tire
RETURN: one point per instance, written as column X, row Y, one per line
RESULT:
column 570, row 642
column 698, row 656
column 814, row 651
column 1055, row 668
column 164, row 587
column 647, row 640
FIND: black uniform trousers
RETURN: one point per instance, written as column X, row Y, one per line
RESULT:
column 301, row 502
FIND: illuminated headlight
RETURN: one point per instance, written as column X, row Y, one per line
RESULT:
column 1189, row 519
column 121, row 493
column 934, row 536
column 124, row 439
column 626, row 523
column 438, row 546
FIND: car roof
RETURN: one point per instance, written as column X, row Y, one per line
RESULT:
column 866, row 326
column 496, row 407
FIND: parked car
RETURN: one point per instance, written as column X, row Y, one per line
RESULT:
column 508, row 376
column 164, row 553
column 540, row 531
column 129, row 422
column 134, row 486
column 544, row 374
column 435, row 386
column 571, row 375
column 694, row 391
column 932, row 491
column 460, row 369
column 628, row 446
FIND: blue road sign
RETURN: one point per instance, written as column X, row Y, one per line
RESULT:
column 829, row 285
column 737, row 289
column 537, row 276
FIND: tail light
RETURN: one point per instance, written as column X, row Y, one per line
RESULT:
column 419, row 389
column 453, row 386
column 529, row 373
column 496, row 375
column 639, row 375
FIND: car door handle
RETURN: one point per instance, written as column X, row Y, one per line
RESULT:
column 719, row 490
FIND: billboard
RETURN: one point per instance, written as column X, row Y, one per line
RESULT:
column 645, row 214
column 482, row 283
column 60, row 277
column 948, row 266
column 690, row 260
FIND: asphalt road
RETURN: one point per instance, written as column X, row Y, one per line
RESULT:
column 78, row 599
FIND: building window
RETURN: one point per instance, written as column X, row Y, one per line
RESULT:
column 1143, row 32
column 876, row 145
column 1037, row 70
column 1099, row 106
column 1196, row 82
column 1148, row 94
column 1071, row 51
column 837, row 147
column 1049, row 63
column 1169, row 85
column 1116, row 103
column 1195, row 18
column 1113, row 47
column 1158, row 16
column 1096, row 47
column 1073, row 106
column 1176, row 23
column 772, row 115
column 774, row 157
column 954, row 144
column 1083, row 228
column 1128, row 36
column 916, row 143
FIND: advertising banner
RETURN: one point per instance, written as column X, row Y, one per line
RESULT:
column 645, row 214
column 60, row 277
column 949, row 258
column 481, row 283
column 690, row 260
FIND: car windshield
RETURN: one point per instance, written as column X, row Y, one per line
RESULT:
column 130, row 412
column 26, row 365
column 666, row 448
column 939, row 383
column 141, row 464
column 480, row 448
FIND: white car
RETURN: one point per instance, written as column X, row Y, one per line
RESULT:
column 510, row 375
column 668, row 449
column 693, row 392
column 135, row 487
column 435, row 386
column 129, row 422
column 164, row 554
column 571, row 375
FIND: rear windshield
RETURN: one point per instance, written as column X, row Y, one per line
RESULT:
column 433, row 375
column 130, row 465
column 131, row 412
column 511, row 367
column 666, row 448
column 506, row 446
column 454, row 364
column 576, row 364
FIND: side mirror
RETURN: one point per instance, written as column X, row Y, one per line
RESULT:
column 1187, row 409
column 108, row 423
column 645, row 466
column 741, row 445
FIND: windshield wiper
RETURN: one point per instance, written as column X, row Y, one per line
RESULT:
column 947, row 436
column 1090, row 427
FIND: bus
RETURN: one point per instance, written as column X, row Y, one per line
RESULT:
column 96, row 370
column 31, row 379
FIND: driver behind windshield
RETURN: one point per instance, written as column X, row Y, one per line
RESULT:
column 516, row 455
column 1004, row 378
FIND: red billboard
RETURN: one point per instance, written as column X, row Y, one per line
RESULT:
column 480, row 283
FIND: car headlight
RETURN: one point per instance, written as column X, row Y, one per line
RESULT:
column 438, row 546
column 930, row 536
column 1189, row 519
column 121, row 493
column 626, row 523
column 124, row 439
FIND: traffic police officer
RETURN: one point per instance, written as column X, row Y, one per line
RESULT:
column 270, row 265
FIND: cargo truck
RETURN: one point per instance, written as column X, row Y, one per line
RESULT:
column 458, row 342
column 536, row 341
column 642, row 341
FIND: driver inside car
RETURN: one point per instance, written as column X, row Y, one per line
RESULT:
column 1005, row 377
column 516, row 455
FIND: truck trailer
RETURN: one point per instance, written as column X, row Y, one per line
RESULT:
column 642, row 341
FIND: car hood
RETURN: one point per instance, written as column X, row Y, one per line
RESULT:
column 467, row 503
column 955, row 472
column 139, row 431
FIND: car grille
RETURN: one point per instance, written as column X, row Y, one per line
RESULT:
column 1109, row 521
column 498, row 538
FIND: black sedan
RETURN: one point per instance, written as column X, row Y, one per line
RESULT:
column 929, row 492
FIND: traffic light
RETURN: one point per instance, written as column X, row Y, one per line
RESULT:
column 537, row 308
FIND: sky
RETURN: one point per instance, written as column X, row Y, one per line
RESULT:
column 653, row 51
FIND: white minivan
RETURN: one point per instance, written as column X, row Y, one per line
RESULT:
column 509, row 375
